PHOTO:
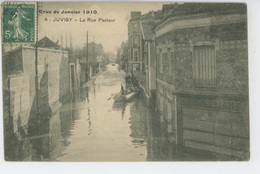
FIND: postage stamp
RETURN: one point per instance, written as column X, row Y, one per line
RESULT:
column 18, row 23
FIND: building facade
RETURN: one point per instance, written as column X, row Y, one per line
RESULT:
column 123, row 56
column 141, row 46
column 202, row 77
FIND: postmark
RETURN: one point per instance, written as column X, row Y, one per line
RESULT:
column 18, row 22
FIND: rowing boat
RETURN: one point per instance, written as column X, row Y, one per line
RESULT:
column 123, row 98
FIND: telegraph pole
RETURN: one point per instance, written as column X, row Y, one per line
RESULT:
column 93, row 49
column 61, row 41
column 87, row 71
column 66, row 41
column 71, row 44
column 36, row 65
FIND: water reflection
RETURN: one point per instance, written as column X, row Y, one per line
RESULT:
column 121, row 107
column 88, row 127
column 138, row 123
column 92, row 127
column 89, row 122
column 39, row 122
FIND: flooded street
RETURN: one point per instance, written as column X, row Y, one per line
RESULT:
column 90, row 126
column 100, row 129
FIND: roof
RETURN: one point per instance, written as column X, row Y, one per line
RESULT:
column 147, row 29
column 210, row 8
column 199, row 9
column 152, row 15
column 167, row 8
column 45, row 42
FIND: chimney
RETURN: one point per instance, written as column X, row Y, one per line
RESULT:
column 61, row 40
column 71, row 43
column 168, row 7
column 152, row 14
column 135, row 14
column 66, row 41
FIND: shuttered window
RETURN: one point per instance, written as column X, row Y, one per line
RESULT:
column 204, row 62
column 136, row 55
column 135, row 28
column 136, row 41
column 143, row 68
column 169, row 111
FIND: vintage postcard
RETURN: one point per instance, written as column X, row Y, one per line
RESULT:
column 124, row 81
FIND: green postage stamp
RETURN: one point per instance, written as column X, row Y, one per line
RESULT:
column 18, row 22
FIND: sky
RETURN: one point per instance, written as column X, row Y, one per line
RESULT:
column 109, row 34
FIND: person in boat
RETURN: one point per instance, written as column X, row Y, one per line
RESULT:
column 135, row 82
column 128, row 79
column 122, row 90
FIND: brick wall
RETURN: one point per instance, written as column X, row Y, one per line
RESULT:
column 215, row 130
column 231, row 56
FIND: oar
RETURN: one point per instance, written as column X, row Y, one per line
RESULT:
column 112, row 96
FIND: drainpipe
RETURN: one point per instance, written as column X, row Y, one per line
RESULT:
column 87, row 67
column 36, row 63
column 149, row 68
column 156, row 69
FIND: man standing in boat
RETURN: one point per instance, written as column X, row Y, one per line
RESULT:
column 122, row 90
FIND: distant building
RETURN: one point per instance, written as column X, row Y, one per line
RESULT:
column 102, row 61
column 202, row 77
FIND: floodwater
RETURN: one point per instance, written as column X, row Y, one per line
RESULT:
column 103, row 130
column 88, row 127
column 92, row 127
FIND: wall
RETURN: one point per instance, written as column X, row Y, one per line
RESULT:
column 153, row 65
column 12, row 62
column 16, row 114
column 232, row 57
column 78, row 72
column 64, row 87
column 57, row 62
column 216, row 124
column 19, row 98
column 218, row 130
column 232, row 47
